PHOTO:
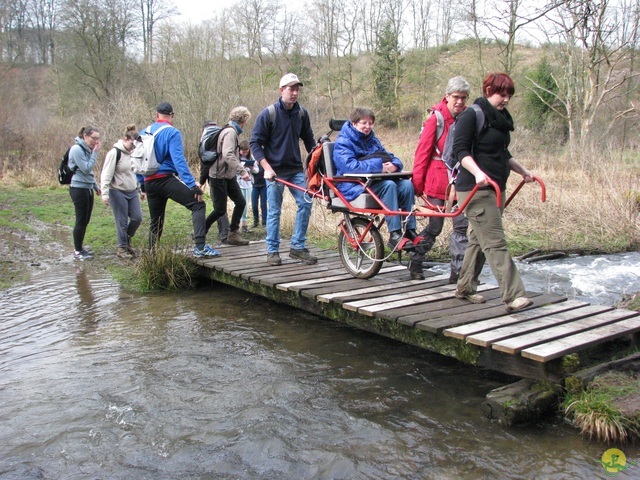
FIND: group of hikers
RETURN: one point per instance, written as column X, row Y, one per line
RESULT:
column 274, row 147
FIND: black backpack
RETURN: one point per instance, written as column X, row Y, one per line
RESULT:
column 208, row 147
column 65, row 174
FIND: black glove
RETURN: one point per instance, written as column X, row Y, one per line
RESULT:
column 196, row 190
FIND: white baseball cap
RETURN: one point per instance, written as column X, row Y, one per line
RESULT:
column 289, row 80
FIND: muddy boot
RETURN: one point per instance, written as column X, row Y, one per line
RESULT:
column 234, row 238
column 416, row 271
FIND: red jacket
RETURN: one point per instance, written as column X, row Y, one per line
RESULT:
column 430, row 175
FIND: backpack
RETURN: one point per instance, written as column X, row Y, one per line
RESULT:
column 272, row 114
column 208, row 146
column 439, row 123
column 143, row 157
column 314, row 168
column 65, row 173
column 447, row 154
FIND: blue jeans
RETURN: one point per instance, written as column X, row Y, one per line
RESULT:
column 275, row 193
column 396, row 195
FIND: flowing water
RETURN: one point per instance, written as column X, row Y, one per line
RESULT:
column 98, row 383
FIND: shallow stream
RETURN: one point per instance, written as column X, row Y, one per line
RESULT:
column 97, row 383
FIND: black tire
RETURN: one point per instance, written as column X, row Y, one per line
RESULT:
column 364, row 261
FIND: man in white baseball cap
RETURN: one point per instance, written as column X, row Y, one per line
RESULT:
column 289, row 80
column 275, row 146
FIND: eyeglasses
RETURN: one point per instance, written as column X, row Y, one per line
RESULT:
column 94, row 138
column 462, row 98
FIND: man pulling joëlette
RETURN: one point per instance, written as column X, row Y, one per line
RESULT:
column 275, row 145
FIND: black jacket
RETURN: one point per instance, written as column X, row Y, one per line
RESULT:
column 490, row 148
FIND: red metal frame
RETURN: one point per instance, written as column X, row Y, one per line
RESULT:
column 432, row 210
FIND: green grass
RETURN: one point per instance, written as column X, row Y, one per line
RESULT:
column 48, row 213
column 22, row 208
column 593, row 410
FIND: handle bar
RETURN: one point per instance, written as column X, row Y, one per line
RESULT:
column 535, row 179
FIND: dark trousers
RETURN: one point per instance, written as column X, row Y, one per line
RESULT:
column 458, row 240
column 82, row 199
column 223, row 221
column 221, row 188
column 259, row 197
column 162, row 189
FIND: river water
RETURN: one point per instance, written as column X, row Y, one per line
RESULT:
column 98, row 383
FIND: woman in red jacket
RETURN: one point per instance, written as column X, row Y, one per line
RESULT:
column 431, row 178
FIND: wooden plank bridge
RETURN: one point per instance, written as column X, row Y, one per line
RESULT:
column 537, row 342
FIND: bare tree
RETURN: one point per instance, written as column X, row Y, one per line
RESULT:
column 421, row 26
column 593, row 52
column 44, row 14
column 255, row 20
column 97, row 37
column 505, row 19
column 152, row 12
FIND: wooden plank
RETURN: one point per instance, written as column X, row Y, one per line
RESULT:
column 393, row 278
column 462, row 331
column 326, row 298
column 433, row 295
column 557, row 348
column 417, row 313
column 301, row 283
column 517, row 344
column 429, row 311
column 497, row 309
column 386, row 299
column 487, row 338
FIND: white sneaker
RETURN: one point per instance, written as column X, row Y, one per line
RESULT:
column 518, row 304
column 472, row 297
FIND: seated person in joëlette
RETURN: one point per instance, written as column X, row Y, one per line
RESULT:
column 358, row 150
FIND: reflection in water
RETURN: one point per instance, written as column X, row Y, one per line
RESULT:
column 216, row 383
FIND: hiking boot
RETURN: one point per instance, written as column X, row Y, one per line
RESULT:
column 123, row 252
column 394, row 238
column 206, row 251
column 245, row 229
column 472, row 297
column 234, row 238
column 132, row 251
column 518, row 304
column 304, row 255
column 256, row 224
column 82, row 255
column 273, row 258
column 415, row 270
column 453, row 278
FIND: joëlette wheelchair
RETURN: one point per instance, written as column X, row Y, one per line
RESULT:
column 360, row 243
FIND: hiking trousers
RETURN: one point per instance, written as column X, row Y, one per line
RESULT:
column 487, row 242
column 159, row 191
column 458, row 240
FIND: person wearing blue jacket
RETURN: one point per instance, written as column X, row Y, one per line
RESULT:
column 82, row 159
column 275, row 144
column 357, row 149
column 174, row 181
